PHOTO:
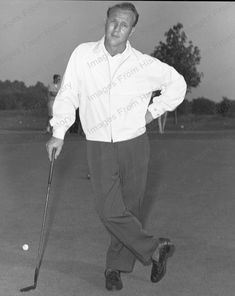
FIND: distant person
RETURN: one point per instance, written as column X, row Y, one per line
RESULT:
column 53, row 89
column 111, row 83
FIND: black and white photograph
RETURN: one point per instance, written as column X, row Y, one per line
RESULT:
column 117, row 141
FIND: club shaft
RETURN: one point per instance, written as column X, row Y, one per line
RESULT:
column 42, row 234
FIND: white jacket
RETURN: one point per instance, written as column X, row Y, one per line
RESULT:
column 113, row 108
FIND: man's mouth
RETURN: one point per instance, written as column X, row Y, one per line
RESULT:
column 114, row 36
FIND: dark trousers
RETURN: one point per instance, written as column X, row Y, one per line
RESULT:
column 118, row 175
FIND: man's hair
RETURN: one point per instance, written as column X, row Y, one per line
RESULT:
column 125, row 6
column 56, row 76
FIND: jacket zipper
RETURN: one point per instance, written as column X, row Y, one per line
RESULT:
column 111, row 79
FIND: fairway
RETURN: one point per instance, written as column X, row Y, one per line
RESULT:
column 189, row 198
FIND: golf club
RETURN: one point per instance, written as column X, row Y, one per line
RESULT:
column 42, row 234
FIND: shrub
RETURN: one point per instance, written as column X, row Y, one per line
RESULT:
column 224, row 108
column 184, row 108
column 203, row 106
column 15, row 95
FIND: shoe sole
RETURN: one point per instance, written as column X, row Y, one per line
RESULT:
column 169, row 253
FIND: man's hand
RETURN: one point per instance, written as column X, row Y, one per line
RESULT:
column 148, row 117
column 54, row 143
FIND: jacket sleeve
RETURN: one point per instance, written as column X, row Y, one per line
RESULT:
column 67, row 99
column 173, row 89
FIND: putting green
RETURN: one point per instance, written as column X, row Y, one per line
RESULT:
column 189, row 198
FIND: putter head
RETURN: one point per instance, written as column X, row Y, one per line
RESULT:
column 33, row 287
column 29, row 288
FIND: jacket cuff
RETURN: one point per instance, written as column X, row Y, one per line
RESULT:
column 156, row 111
column 59, row 133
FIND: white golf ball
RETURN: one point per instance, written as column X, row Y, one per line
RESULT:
column 25, row 247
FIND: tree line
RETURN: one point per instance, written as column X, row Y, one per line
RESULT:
column 204, row 106
column 16, row 95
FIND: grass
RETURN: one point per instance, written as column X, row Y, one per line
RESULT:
column 37, row 120
column 23, row 119
column 189, row 198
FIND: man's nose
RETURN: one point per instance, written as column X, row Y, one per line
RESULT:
column 117, row 28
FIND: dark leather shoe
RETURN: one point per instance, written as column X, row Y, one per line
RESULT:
column 166, row 250
column 113, row 280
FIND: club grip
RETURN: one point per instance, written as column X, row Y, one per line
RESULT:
column 53, row 154
column 51, row 165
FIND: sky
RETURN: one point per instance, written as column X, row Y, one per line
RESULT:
column 38, row 37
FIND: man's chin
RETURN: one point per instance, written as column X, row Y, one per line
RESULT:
column 114, row 41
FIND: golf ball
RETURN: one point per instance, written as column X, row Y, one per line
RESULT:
column 25, row 247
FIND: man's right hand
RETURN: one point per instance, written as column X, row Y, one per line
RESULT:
column 54, row 143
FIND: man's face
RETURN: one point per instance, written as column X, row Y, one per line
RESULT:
column 118, row 26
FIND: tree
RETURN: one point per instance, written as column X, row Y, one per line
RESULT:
column 181, row 55
column 203, row 106
column 224, row 107
column 15, row 95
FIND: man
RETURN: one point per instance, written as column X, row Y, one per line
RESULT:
column 111, row 83
column 53, row 89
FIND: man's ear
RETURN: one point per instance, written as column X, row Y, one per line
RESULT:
column 132, row 31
